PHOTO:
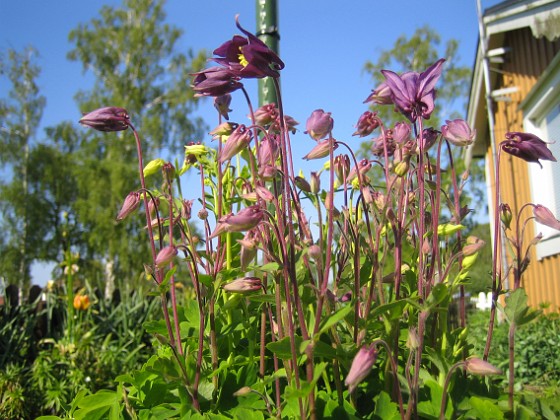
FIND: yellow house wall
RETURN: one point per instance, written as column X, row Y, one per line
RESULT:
column 527, row 59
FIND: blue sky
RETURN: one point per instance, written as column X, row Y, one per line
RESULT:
column 324, row 45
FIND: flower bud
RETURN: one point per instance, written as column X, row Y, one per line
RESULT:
column 367, row 122
column 107, row 119
column 361, row 366
column 221, row 103
column 315, row 253
column 401, row 168
column 266, row 114
column 321, row 150
column 243, row 285
column 341, row 167
column 545, row 217
column 246, row 219
column 224, row 129
column 131, row 203
column 505, row 215
column 302, row 184
column 315, row 183
column 153, row 167
column 241, row 392
column 458, row 132
column 478, row 366
column 473, row 245
column 237, row 141
column 319, row 124
column 165, row 256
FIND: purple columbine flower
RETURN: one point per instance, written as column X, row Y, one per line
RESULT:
column 237, row 141
column 131, row 203
column 545, row 217
column 245, row 220
column 363, row 166
column 319, row 124
column 401, row 133
column 526, row 146
column 458, row 132
column 215, row 81
column 266, row 114
column 361, row 366
column 109, row 118
column 413, row 93
column 367, row 122
column 378, row 144
column 248, row 57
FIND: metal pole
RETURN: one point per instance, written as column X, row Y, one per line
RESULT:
column 267, row 31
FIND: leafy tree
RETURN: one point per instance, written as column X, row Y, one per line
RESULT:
column 21, row 113
column 132, row 53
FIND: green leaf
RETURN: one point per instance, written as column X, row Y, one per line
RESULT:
column 385, row 408
column 97, row 406
column 517, row 310
column 282, row 348
column 483, row 409
column 392, row 310
column 335, row 318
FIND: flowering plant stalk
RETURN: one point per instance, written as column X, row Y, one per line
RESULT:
column 283, row 316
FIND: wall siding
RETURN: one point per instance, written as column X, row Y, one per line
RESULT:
column 527, row 59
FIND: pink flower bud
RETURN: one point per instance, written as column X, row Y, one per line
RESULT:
column 319, row 124
column 266, row 114
column 315, row 182
column 321, row 150
column 107, row 119
column 131, row 203
column 237, row 141
column 473, row 245
column 545, row 217
column 458, row 132
column 243, row 285
column 165, row 256
column 361, row 366
column 221, row 103
column 367, row 122
column 478, row 366
column 246, row 219
column 341, row 167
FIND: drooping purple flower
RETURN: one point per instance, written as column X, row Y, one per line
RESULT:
column 109, row 118
column 341, row 167
column 363, row 166
column 526, row 146
column 237, row 141
column 248, row 248
column 215, row 81
column 383, row 140
column 319, row 124
column 131, row 203
column 361, row 366
column 248, row 57
column 428, row 138
column 545, row 217
column 321, row 150
column 458, row 132
column 221, row 103
column 245, row 219
column 266, row 114
column 367, row 122
column 269, row 150
column 413, row 93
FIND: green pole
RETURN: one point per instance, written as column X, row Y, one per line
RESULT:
column 267, row 31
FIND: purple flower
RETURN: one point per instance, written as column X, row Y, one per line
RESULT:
column 268, row 151
column 401, row 133
column 341, row 167
column 107, row 119
column 545, row 217
column 367, row 122
column 321, row 150
column 165, row 256
column 379, row 143
column 248, row 57
column 237, row 141
column 363, row 166
column 246, row 219
column 428, row 138
column 458, row 132
column 248, row 248
column 361, row 366
column 413, row 93
column 215, row 81
column 527, row 147
column 131, row 203
column 319, row 124
column 266, row 114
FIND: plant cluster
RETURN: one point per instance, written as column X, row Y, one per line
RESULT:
column 320, row 296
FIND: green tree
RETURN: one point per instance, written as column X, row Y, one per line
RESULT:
column 20, row 113
column 131, row 51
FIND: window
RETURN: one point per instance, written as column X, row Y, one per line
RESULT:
column 542, row 117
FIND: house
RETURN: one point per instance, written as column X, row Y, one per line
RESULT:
column 516, row 87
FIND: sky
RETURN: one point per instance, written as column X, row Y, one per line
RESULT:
column 324, row 44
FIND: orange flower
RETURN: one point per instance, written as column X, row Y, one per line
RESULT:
column 81, row 302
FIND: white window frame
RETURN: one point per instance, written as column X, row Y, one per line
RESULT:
column 540, row 103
